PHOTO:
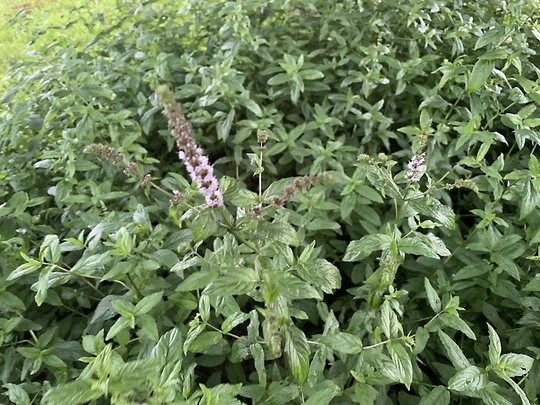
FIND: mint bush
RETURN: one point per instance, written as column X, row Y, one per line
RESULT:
column 356, row 219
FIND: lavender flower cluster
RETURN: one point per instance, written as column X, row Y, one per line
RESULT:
column 197, row 165
column 416, row 168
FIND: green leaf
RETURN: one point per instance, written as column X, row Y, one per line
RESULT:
column 437, row 396
column 121, row 324
column 389, row 321
column 277, row 231
column 224, row 127
column 494, row 346
column 296, row 352
column 491, row 397
column 204, row 341
column 74, row 393
column 529, row 201
column 453, row 352
column 321, row 274
column 457, row 323
column 402, row 362
column 470, row 378
column 434, row 209
column 481, row 71
column 233, row 320
column 168, row 350
column 325, row 394
column 494, row 35
column 258, row 358
column 24, row 269
column 279, row 79
column 343, row 342
column 50, row 249
column 43, row 285
column 237, row 281
column 311, row 74
column 17, row 394
column 198, row 280
column 433, row 298
column 515, row 365
column 360, row 249
column 147, row 303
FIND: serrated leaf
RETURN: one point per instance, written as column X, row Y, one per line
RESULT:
column 437, row 396
column 321, row 274
column 481, row 71
column 434, row 209
column 360, row 249
column 402, row 362
column 237, row 281
column 73, row 393
column 453, row 352
column 433, row 298
column 168, row 349
column 343, row 342
column 277, row 231
column 296, row 352
column 471, row 378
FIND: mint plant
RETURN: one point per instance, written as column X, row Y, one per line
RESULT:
column 305, row 202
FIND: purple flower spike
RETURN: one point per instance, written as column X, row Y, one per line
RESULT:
column 199, row 168
column 416, row 168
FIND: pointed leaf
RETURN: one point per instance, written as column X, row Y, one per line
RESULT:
column 471, row 378
column 453, row 352
column 360, row 249
column 433, row 298
column 437, row 396
column 296, row 352
column 481, row 71
column 494, row 346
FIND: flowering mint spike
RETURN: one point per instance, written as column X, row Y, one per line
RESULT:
column 199, row 168
column 416, row 168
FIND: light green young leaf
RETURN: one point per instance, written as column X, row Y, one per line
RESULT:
column 17, row 394
column 471, row 378
column 121, row 324
column 389, row 321
column 437, row 396
column 360, row 249
column 433, row 298
column 296, row 352
column 50, row 249
column 233, row 320
column 453, row 352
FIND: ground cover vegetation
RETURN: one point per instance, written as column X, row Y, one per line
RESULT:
column 289, row 202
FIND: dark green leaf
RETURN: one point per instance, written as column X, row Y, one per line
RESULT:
column 360, row 249
column 481, row 71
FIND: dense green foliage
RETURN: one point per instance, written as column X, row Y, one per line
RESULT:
column 336, row 271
